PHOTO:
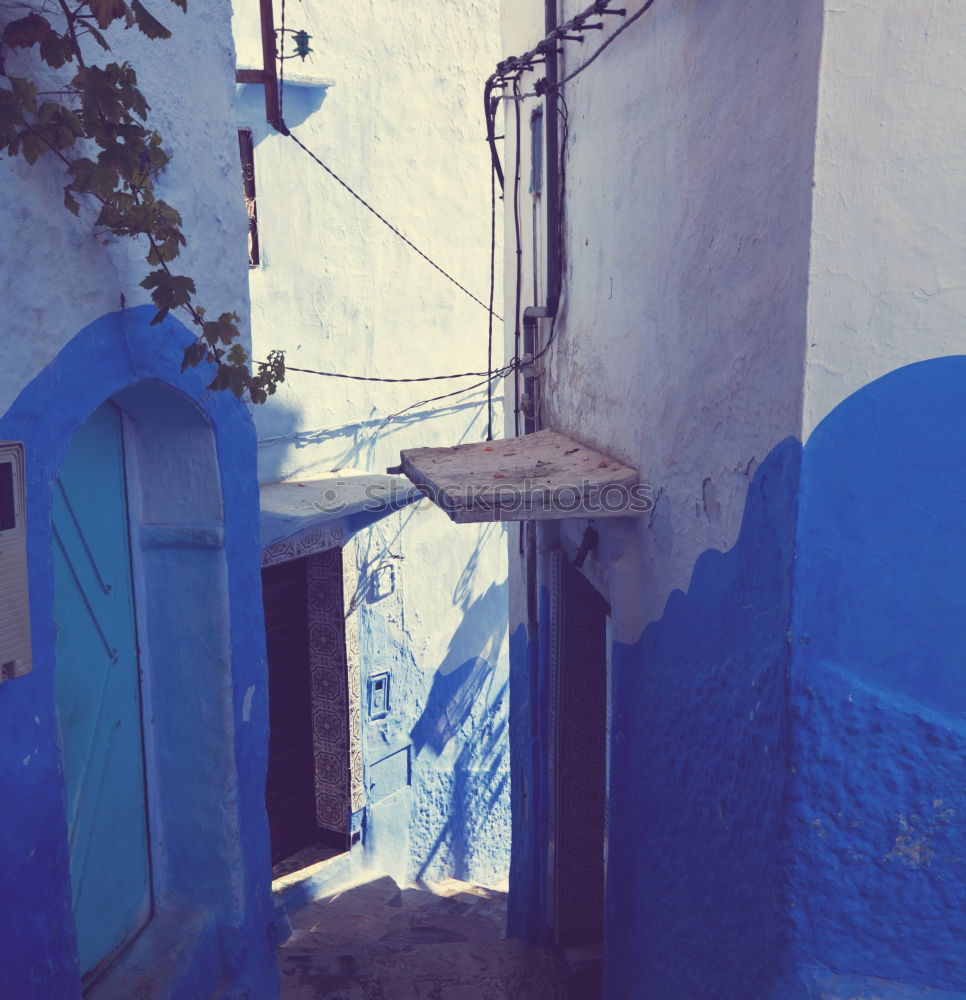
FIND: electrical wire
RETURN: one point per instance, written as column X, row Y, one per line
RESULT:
column 513, row 67
column 497, row 80
column 496, row 173
column 491, row 375
column 509, row 71
column 281, row 68
column 375, row 378
column 489, row 335
column 570, row 76
column 386, row 222
column 448, row 395
column 488, row 380
column 489, row 113
column 564, row 113
column 518, row 297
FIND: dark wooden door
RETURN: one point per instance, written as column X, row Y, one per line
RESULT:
column 289, row 791
column 580, row 726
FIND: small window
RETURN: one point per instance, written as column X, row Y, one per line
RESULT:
column 378, row 696
column 14, row 598
column 247, row 149
column 8, row 510
column 536, row 151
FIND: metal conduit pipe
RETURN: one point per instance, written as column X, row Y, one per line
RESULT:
column 535, row 539
column 551, row 120
column 551, row 124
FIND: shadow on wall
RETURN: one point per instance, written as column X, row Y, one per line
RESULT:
column 457, row 685
column 460, row 743
column 454, row 717
column 301, row 102
column 789, row 797
column 451, row 700
column 354, row 445
column 471, row 798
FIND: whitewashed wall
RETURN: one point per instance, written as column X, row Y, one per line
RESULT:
column 887, row 278
column 400, row 119
column 57, row 276
column 765, row 215
column 680, row 341
column 701, row 266
column 401, row 122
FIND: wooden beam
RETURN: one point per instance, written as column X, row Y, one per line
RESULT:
column 273, row 114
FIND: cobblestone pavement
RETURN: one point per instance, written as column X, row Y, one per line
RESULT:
column 378, row 942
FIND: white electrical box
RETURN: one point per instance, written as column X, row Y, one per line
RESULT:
column 14, row 600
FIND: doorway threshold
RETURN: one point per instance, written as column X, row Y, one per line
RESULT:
column 328, row 868
column 292, row 892
column 308, row 857
column 585, row 964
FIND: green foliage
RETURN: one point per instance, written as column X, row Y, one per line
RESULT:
column 97, row 128
column 169, row 291
column 152, row 27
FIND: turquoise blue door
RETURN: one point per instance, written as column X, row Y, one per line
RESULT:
column 99, row 694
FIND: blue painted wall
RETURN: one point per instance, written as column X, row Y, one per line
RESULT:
column 877, row 820
column 527, row 916
column 229, row 918
column 779, row 813
column 525, row 775
column 788, row 769
column 694, row 895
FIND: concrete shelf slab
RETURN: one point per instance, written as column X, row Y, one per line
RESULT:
column 540, row 476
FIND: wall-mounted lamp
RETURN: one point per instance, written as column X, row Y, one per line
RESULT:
column 268, row 74
column 301, row 39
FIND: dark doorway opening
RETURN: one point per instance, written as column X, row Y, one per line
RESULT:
column 296, row 703
column 579, row 774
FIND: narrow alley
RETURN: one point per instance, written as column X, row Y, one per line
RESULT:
column 375, row 941
column 482, row 500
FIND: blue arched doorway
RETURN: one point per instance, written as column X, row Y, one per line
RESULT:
column 186, row 460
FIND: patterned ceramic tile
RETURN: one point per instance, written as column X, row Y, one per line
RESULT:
column 354, row 674
column 335, row 738
column 304, row 543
